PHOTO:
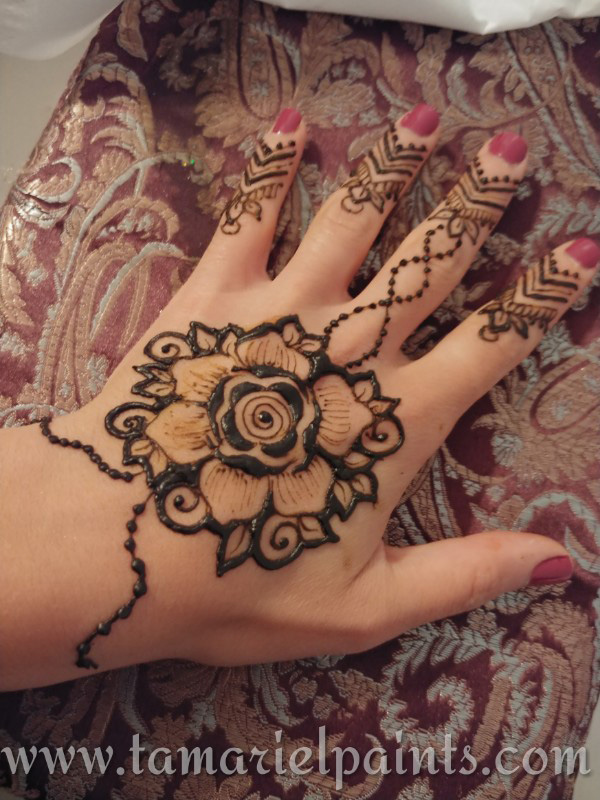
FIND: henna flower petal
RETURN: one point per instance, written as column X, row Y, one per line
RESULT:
column 343, row 416
column 231, row 493
column 303, row 492
column 197, row 378
column 182, row 430
column 270, row 350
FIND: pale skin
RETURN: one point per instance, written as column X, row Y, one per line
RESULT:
column 63, row 565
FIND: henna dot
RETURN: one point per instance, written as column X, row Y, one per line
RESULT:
column 343, row 316
column 87, row 448
column 137, row 565
column 399, row 299
column 95, row 458
column 408, row 298
column 388, row 195
column 372, row 305
column 63, row 442
column 103, row 466
column 132, row 526
column 495, row 179
column 76, row 444
column 104, row 628
column 440, row 227
column 416, row 259
column 179, row 501
column 394, row 270
column 419, row 293
column 484, row 180
column 427, row 270
column 391, row 292
column 129, row 544
column 506, row 179
column 114, row 474
column 140, row 587
column 127, row 476
column 441, row 255
column 335, row 323
column 430, row 233
column 403, row 262
column 83, row 648
column 426, row 284
column 357, row 309
column 459, row 243
column 125, row 611
column 52, row 438
column 426, row 258
column 384, row 332
column 139, row 508
column 278, row 146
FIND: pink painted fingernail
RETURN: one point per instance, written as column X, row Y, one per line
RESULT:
column 288, row 121
column 586, row 251
column 422, row 119
column 509, row 146
column 552, row 570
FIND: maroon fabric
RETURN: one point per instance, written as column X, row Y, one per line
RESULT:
column 106, row 221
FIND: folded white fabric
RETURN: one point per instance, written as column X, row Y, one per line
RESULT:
column 476, row 16
column 41, row 29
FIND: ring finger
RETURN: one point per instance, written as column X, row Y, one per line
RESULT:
column 431, row 261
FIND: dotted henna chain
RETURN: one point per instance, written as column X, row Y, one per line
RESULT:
column 392, row 297
column 465, row 212
column 137, row 565
column 113, row 473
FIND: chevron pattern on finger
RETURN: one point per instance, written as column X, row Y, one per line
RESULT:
column 383, row 174
column 514, row 308
column 263, row 177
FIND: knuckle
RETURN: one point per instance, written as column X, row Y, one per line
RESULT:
column 336, row 220
column 482, row 585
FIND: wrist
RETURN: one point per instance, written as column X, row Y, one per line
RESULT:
column 65, row 568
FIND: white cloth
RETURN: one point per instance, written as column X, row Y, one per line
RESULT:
column 45, row 28
column 42, row 29
column 476, row 16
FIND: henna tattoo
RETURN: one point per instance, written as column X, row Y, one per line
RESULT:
column 383, row 174
column 514, row 308
column 477, row 201
column 253, row 435
column 259, row 181
column 96, row 459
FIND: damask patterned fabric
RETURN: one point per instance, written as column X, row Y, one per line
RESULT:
column 106, row 222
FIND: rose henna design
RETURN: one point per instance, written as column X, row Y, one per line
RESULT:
column 254, row 435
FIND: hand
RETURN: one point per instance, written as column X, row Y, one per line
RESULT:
column 271, row 426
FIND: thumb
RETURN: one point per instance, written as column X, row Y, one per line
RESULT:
column 431, row 581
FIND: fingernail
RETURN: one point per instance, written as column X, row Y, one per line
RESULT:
column 509, row 146
column 288, row 121
column 586, row 251
column 422, row 119
column 552, row 570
